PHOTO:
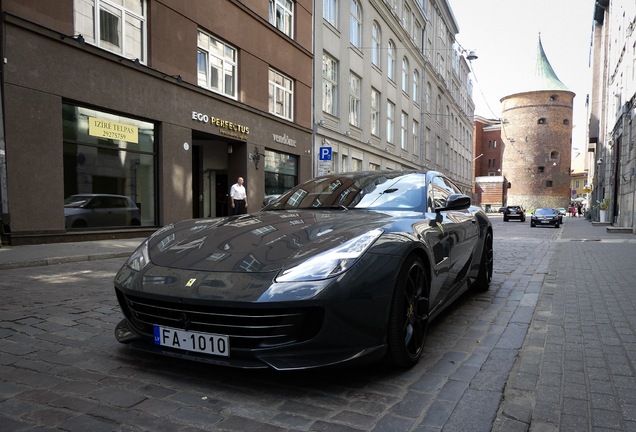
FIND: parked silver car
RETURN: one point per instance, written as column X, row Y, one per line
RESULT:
column 100, row 210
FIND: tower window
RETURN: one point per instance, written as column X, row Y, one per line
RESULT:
column 548, row 183
column 540, row 169
column 566, row 121
column 542, row 120
column 553, row 98
column 554, row 155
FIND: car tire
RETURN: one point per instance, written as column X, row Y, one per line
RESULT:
column 80, row 223
column 556, row 225
column 408, row 320
column 532, row 225
column 484, row 277
column 505, row 219
column 523, row 219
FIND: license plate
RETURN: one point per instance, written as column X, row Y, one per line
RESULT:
column 206, row 343
column 544, row 221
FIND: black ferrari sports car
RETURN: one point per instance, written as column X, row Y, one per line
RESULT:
column 342, row 268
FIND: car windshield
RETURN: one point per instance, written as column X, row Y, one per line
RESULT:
column 383, row 191
column 544, row 212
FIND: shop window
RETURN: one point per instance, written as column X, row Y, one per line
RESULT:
column 281, row 95
column 122, row 27
column 281, row 172
column 109, row 170
column 281, row 15
column 216, row 65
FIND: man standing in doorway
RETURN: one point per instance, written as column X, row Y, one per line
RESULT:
column 238, row 197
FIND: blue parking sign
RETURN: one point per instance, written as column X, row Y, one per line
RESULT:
column 325, row 153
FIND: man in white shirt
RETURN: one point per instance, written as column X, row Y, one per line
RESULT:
column 238, row 197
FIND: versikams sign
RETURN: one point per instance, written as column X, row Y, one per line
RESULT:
column 226, row 127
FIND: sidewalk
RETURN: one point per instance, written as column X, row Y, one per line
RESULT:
column 55, row 253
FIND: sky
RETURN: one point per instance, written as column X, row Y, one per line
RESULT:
column 505, row 34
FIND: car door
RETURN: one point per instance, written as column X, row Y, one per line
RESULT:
column 458, row 233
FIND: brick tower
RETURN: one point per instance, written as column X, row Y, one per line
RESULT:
column 537, row 135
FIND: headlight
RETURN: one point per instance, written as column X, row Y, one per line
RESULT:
column 140, row 257
column 332, row 262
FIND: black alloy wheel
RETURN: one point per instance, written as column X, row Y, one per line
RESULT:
column 484, row 277
column 408, row 322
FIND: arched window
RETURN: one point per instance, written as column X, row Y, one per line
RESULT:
column 355, row 24
column 390, row 60
column 416, row 86
column 566, row 121
column 542, row 120
column 405, row 75
column 376, row 43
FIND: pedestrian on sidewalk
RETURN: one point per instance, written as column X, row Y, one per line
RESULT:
column 238, row 197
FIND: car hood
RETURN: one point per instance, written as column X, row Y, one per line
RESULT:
column 259, row 242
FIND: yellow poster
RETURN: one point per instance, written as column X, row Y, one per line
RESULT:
column 112, row 130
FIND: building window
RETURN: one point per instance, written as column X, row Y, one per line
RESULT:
column 356, row 164
column 354, row 99
column 404, row 131
column 554, row 98
column 405, row 75
column 566, row 122
column 376, row 43
column 281, row 95
column 540, row 169
column 548, row 183
column 217, row 68
column 427, row 97
column 542, row 120
column 281, row 15
column 281, row 172
column 375, row 112
column 330, row 11
column 373, row 167
column 113, row 27
column 390, row 121
column 554, row 155
column 355, row 24
column 329, row 84
column 97, row 163
column 390, row 60
column 416, row 138
column 416, row 86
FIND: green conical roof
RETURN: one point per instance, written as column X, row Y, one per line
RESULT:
column 544, row 76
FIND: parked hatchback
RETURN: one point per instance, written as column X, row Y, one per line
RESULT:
column 514, row 212
column 100, row 210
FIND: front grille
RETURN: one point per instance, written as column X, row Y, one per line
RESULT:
column 253, row 327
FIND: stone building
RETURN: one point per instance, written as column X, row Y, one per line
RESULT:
column 489, row 187
column 537, row 135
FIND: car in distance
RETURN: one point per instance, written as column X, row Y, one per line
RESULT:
column 100, row 210
column 514, row 212
column 343, row 268
column 562, row 211
column 545, row 216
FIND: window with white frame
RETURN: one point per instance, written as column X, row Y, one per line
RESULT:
column 390, row 60
column 376, row 43
column 113, row 26
column 405, row 75
column 281, row 95
column 217, row 68
column 356, row 164
column 354, row 99
column 330, row 12
column 406, row 18
column 416, row 138
column 329, row 84
column 281, row 15
column 373, row 167
column 427, row 97
column 404, row 131
column 355, row 24
column 390, row 121
column 375, row 112
column 416, row 86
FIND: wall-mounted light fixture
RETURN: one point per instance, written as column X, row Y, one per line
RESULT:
column 255, row 157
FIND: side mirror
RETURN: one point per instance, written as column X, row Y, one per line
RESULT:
column 455, row 202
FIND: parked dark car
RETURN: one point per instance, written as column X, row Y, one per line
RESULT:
column 100, row 210
column 342, row 268
column 545, row 216
column 514, row 212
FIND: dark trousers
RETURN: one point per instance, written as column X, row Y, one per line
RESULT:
column 239, row 207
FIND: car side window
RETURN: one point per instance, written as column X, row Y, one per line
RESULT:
column 440, row 192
